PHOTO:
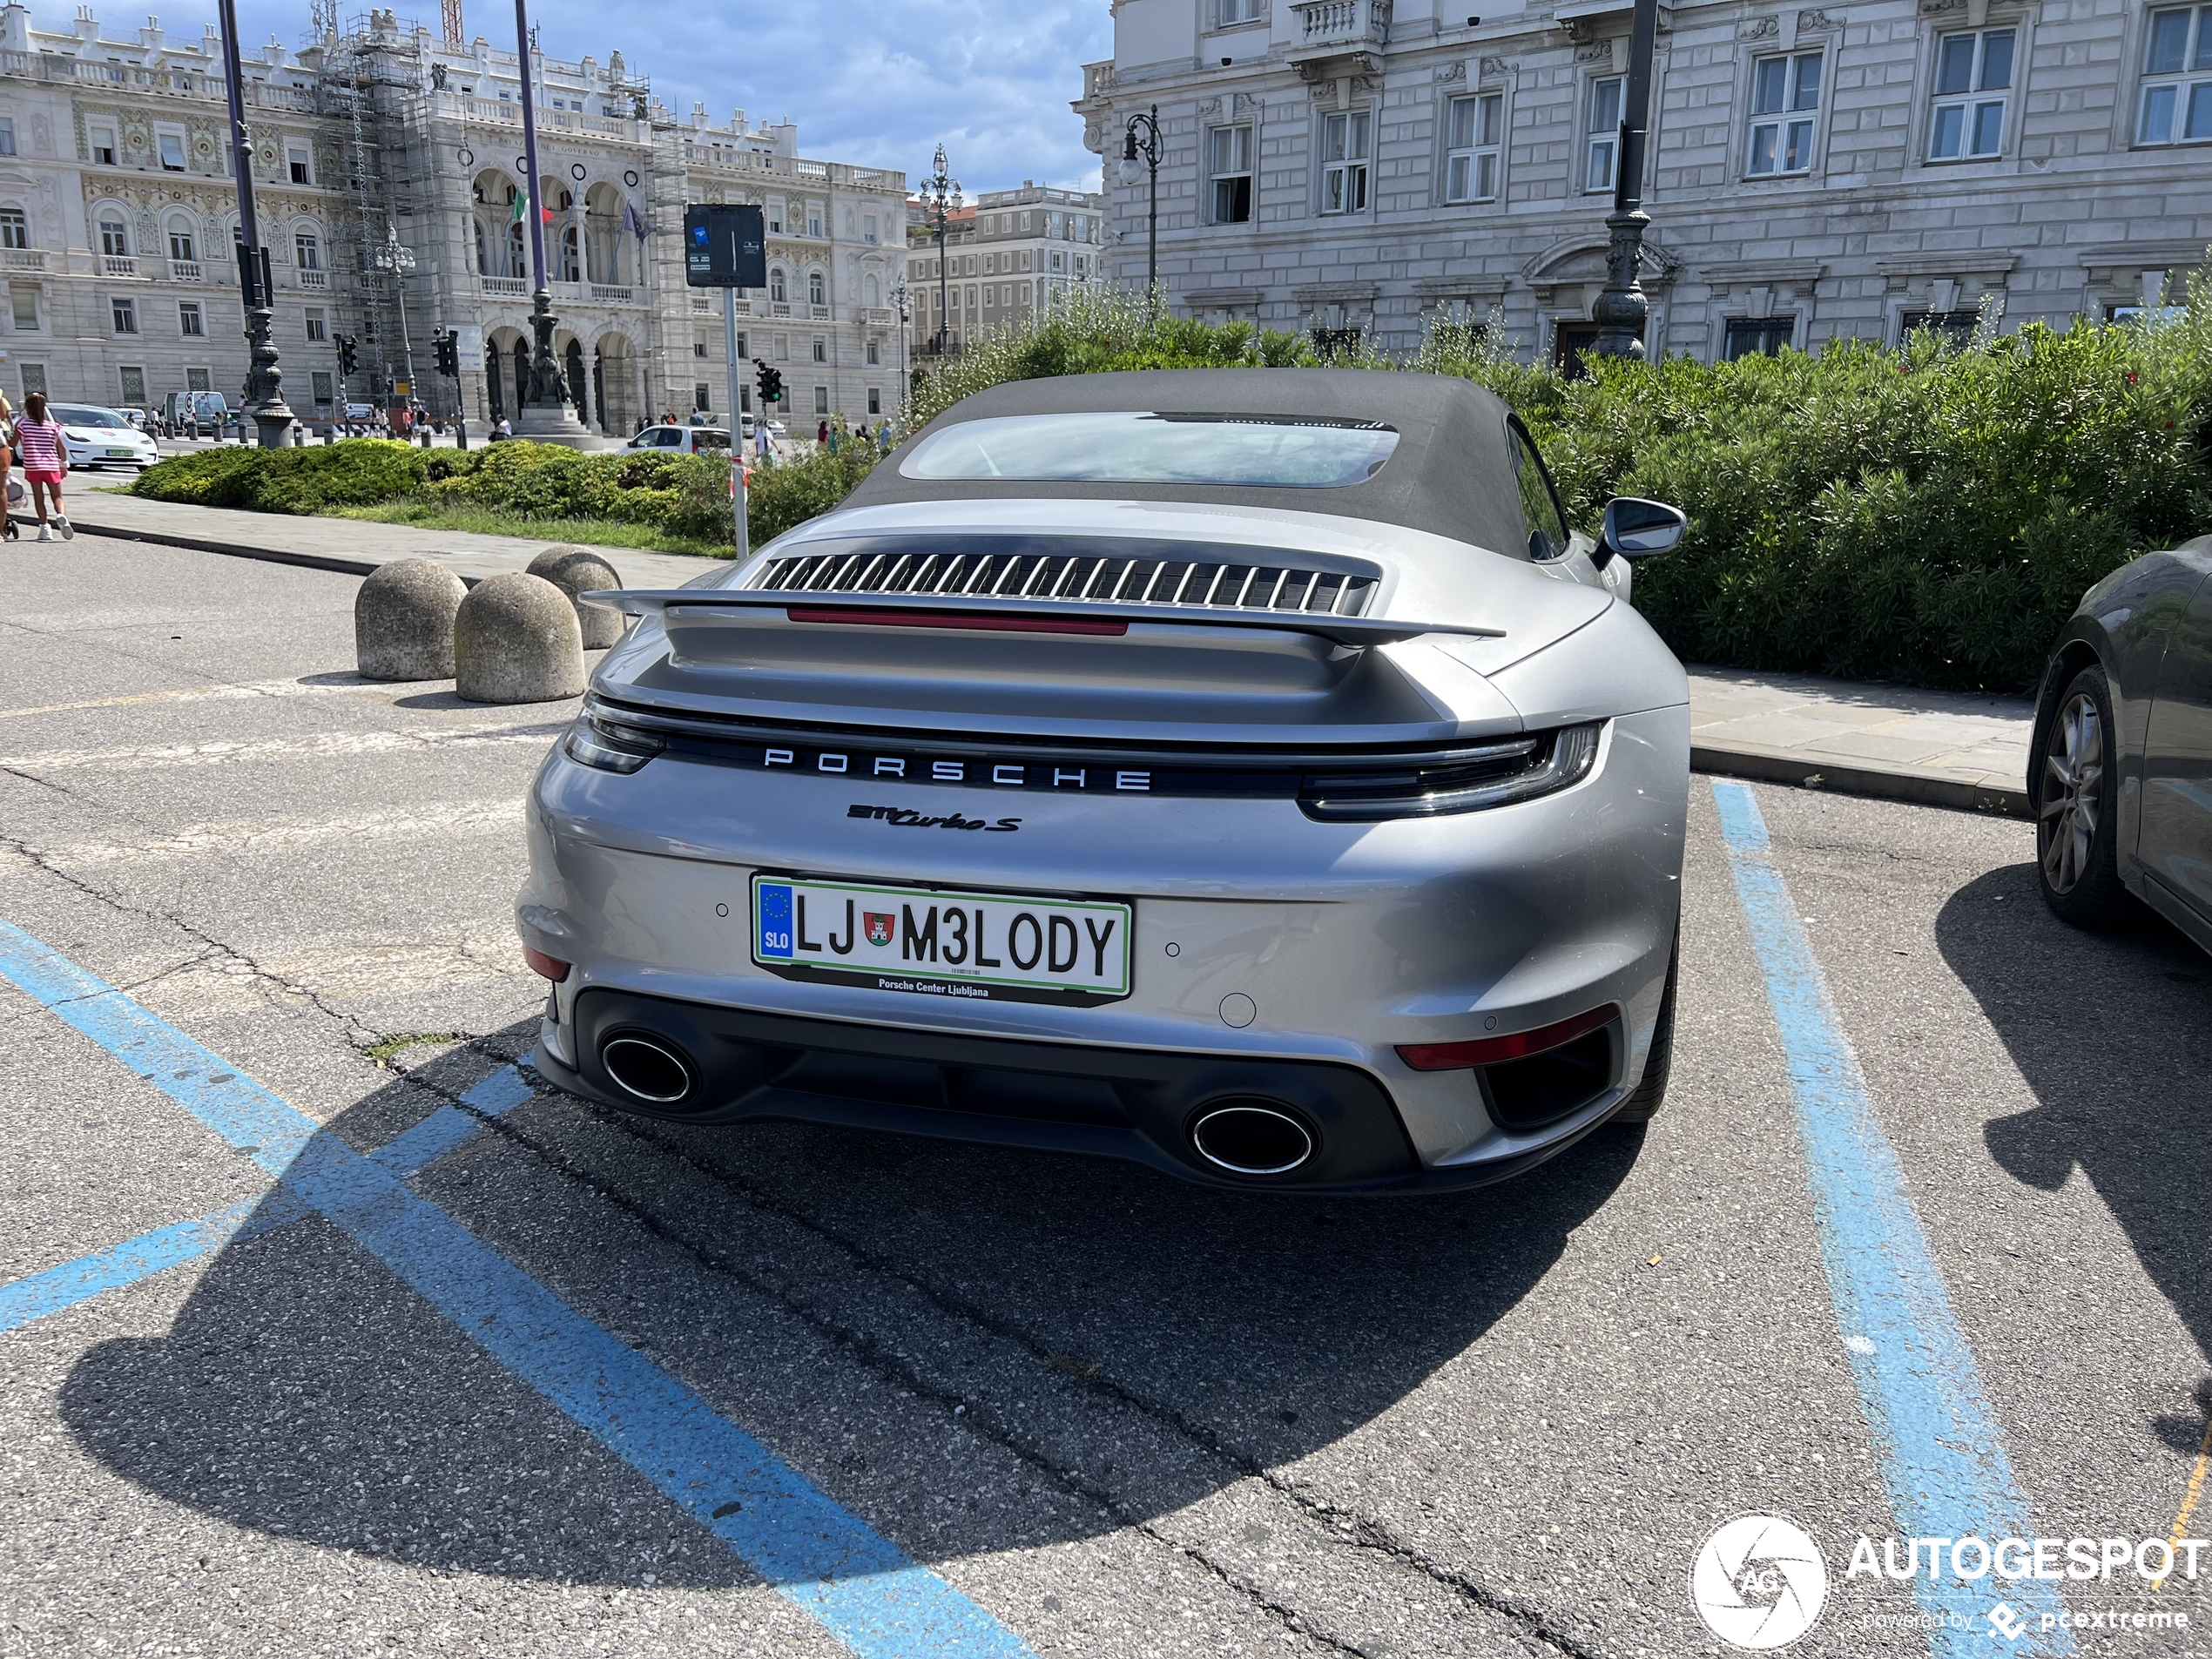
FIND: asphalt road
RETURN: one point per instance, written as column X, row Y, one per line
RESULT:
column 1104, row 1413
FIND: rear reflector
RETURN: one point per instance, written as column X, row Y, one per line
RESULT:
column 551, row 966
column 1489, row 1051
column 976, row 621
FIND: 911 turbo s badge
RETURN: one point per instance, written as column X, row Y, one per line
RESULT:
column 906, row 817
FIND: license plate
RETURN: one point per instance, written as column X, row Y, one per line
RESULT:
column 121, row 454
column 986, row 946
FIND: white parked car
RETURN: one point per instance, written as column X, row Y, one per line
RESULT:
column 681, row 440
column 100, row 437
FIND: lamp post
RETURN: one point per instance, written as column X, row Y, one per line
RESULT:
column 939, row 196
column 264, row 380
column 902, row 300
column 398, row 262
column 546, row 411
column 1621, row 310
column 1149, row 148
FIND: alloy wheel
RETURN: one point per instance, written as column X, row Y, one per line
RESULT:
column 2074, row 769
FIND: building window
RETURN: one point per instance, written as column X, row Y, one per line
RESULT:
column 198, row 379
column 15, row 229
column 1602, row 135
column 776, row 285
column 23, row 303
column 173, row 152
column 1233, row 12
column 325, row 390
column 2177, row 87
column 318, row 325
column 702, row 398
column 821, row 349
column 867, row 229
column 1973, row 73
column 741, row 353
column 775, row 215
column 7, row 135
column 297, row 165
column 1474, row 130
column 783, row 349
column 1767, row 334
column 817, row 291
column 1229, row 163
column 815, row 220
column 1344, row 162
column 124, row 315
column 181, row 246
column 875, row 399
column 309, row 250
column 101, row 142
column 821, row 400
column 134, row 387
column 1784, row 93
column 1957, row 327
column 115, row 237
column 699, row 342
column 875, row 353
column 188, row 319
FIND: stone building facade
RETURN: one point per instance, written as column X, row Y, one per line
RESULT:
column 1842, row 170
column 119, row 213
column 1006, row 255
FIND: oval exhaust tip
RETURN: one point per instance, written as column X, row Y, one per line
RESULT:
column 647, row 1068
column 1248, row 1135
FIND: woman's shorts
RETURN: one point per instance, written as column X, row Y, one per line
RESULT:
column 37, row 475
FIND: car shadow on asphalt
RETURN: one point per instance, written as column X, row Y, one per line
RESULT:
column 303, row 1392
column 2073, row 1009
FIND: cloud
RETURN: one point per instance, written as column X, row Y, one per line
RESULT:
column 989, row 79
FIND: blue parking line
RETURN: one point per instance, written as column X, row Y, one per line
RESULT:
column 864, row 1589
column 1942, row 1452
column 61, row 1286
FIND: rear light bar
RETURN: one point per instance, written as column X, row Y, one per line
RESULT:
column 976, row 621
column 551, row 967
column 1489, row 1051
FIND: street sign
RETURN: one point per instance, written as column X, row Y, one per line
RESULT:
column 724, row 247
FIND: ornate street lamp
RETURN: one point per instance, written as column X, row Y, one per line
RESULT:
column 264, row 380
column 903, row 300
column 940, row 200
column 397, row 261
column 1148, row 147
column 1621, row 310
column 546, row 410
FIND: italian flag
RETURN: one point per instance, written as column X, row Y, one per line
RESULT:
column 522, row 207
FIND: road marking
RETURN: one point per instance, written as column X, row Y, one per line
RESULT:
column 53, row 1290
column 191, row 694
column 863, row 1589
column 248, row 836
column 1942, row 1452
column 154, row 756
column 2188, row 1503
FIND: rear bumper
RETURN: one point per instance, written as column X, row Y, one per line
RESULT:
column 1138, row 1105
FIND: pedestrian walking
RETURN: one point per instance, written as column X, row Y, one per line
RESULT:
column 45, row 462
column 822, row 434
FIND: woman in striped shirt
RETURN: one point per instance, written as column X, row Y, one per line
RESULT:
column 44, row 454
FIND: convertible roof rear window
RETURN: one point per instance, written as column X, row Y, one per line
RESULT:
column 1138, row 446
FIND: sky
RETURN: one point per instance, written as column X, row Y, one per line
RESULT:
column 878, row 87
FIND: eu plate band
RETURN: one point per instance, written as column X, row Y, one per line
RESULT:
column 865, row 1590
column 1942, row 1453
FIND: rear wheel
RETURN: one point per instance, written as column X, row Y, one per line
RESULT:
column 2077, row 788
column 1651, row 1092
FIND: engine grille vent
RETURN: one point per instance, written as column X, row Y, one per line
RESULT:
column 1075, row 576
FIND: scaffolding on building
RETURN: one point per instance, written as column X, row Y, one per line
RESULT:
column 369, row 85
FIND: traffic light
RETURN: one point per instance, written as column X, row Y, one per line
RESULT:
column 771, row 383
column 449, row 354
column 349, row 361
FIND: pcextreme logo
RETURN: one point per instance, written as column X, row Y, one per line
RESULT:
column 1759, row 1582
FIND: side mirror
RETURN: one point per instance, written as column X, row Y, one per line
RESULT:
column 1637, row 529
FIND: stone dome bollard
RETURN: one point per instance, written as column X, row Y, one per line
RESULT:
column 578, row 569
column 403, row 621
column 516, row 639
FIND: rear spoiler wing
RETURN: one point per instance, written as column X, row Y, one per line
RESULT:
column 982, row 612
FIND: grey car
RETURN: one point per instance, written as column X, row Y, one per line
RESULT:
column 2120, row 774
column 1244, row 772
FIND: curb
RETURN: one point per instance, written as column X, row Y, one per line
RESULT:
column 1880, row 782
column 202, row 544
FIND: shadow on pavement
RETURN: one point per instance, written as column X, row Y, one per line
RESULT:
column 303, row 1392
column 2129, row 1109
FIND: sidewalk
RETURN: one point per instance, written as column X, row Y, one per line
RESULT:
column 1952, row 749
column 351, row 545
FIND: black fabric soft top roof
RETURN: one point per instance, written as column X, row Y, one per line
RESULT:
column 1451, row 474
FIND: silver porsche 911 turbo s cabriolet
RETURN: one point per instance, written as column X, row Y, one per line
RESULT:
column 1246, row 772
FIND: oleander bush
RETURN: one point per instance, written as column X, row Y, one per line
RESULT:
column 1928, row 515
